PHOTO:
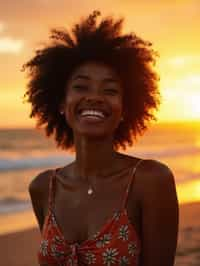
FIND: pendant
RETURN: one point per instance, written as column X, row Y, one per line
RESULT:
column 90, row 191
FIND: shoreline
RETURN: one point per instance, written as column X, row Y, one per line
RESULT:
column 17, row 222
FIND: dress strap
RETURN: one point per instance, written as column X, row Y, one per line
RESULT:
column 133, row 171
column 51, row 189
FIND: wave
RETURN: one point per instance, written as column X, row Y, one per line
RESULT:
column 170, row 152
column 32, row 162
column 52, row 160
column 12, row 204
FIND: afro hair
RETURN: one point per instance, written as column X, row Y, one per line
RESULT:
column 130, row 56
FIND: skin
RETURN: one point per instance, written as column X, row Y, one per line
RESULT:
column 93, row 91
column 152, row 205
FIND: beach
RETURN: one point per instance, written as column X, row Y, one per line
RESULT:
column 25, row 152
column 19, row 248
column 188, row 248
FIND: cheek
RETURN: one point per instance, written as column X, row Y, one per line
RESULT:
column 70, row 103
column 72, row 100
column 117, row 106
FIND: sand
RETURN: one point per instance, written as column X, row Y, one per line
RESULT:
column 19, row 248
column 188, row 250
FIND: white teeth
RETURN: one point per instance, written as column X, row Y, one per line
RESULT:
column 92, row 112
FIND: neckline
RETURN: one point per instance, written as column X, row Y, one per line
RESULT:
column 116, row 216
column 121, row 211
column 116, row 173
column 108, row 221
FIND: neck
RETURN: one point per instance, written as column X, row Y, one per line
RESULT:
column 93, row 158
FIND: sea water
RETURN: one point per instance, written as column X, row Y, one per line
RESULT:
column 24, row 153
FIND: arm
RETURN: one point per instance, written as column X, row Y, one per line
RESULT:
column 159, row 215
column 38, row 191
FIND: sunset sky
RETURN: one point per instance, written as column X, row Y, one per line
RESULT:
column 173, row 26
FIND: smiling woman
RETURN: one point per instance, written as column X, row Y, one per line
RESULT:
column 93, row 100
column 95, row 90
column 130, row 57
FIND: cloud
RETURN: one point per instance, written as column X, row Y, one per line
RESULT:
column 9, row 45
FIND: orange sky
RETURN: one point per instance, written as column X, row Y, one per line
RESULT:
column 172, row 26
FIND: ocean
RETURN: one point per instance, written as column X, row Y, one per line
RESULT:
column 26, row 152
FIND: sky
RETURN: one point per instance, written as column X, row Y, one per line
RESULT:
column 173, row 27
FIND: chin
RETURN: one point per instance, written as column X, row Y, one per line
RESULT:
column 94, row 133
column 94, row 130
column 97, row 134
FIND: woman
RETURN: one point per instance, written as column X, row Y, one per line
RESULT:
column 95, row 90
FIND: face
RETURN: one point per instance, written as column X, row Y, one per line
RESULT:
column 93, row 102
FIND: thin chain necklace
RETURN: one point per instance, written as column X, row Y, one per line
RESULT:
column 90, row 190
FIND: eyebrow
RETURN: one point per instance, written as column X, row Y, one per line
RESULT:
column 88, row 78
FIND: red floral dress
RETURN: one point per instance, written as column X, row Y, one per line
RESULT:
column 116, row 243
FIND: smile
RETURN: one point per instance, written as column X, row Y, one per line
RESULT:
column 92, row 115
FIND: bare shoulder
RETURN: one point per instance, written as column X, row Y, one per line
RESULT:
column 160, row 214
column 153, row 175
column 38, row 191
column 40, row 182
column 155, row 168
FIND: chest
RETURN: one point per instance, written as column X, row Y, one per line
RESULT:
column 80, row 216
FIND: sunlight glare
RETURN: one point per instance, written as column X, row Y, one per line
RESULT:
column 189, row 192
column 8, row 45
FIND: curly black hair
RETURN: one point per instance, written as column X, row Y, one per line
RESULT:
column 131, row 57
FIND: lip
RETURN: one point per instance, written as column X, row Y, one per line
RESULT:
column 92, row 119
column 105, row 112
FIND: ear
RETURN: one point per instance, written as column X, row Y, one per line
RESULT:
column 61, row 108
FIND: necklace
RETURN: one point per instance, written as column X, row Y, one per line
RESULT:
column 90, row 190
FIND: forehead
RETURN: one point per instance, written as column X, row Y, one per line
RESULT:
column 95, row 70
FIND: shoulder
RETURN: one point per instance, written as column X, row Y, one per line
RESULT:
column 153, row 179
column 159, row 206
column 152, row 175
column 157, row 187
column 148, row 167
column 152, row 167
column 39, row 185
column 38, row 191
column 40, row 181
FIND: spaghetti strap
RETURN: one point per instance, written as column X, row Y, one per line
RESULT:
column 129, row 183
column 51, row 189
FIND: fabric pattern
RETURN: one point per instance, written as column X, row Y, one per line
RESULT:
column 115, row 244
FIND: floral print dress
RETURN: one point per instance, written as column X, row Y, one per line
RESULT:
column 116, row 243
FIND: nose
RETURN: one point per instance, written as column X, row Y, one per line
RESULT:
column 94, row 97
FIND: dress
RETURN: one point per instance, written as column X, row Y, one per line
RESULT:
column 116, row 243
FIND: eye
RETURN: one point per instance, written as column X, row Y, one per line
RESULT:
column 111, row 91
column 80, row 87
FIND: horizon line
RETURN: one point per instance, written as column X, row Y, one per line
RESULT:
column 195, row 121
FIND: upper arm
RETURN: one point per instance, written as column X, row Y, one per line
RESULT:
column 160, row 216
column 38, row 191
